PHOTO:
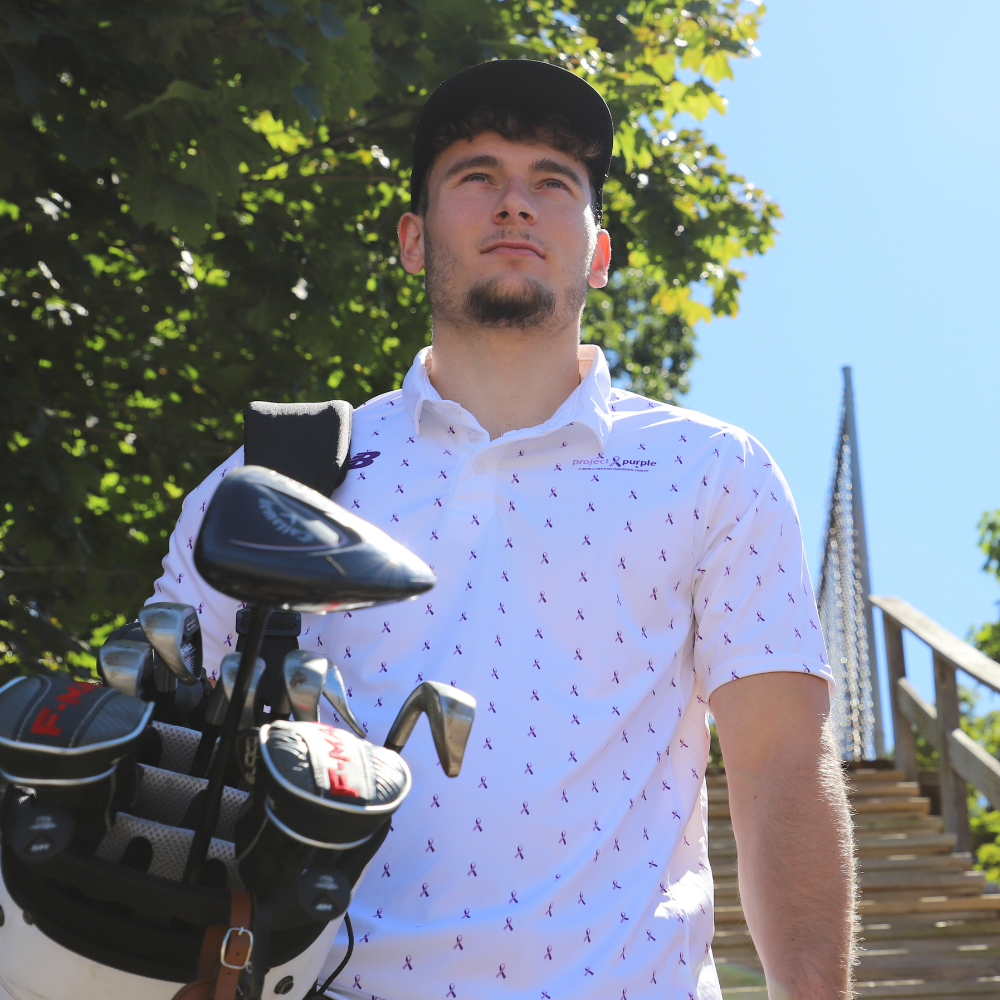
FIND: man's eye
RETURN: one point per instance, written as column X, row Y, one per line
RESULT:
column 552, row 182
column 475, row 177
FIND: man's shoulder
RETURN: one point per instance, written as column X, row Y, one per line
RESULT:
column 379, row 406
column 380, row 409
column 667, row 422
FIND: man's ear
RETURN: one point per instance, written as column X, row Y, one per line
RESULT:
column 411, row 242
column 598, row 276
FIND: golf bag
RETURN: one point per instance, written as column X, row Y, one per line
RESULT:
column 198, row 843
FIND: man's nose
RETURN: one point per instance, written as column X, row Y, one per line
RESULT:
column 514, row 203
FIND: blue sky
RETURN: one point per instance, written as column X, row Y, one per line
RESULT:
column 875, row 128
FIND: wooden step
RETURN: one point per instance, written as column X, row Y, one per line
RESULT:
column 927, row 925
column 875, row 775
column 882, row 789
column 982, row 988
column 735, row 937
column 905, row 902
column 885, row 887
column 901, row 822
column 882, row 844
column 883, row 786
column 726, row 867
column 897, row 822
column 879, row 844
column 898, row 805
column 906, row 989
column 983, row 945
column 922, row 878
column 895, row 904
column 897, row 963
column 892, row 804
column 921, row 862
column 886, row 809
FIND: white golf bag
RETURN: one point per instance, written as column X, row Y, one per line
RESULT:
column 96, row 827
column 125, row 873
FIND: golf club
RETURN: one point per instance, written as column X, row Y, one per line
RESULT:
column 175, row 633
column 274, row 543
column 215, row 715
column 450, row 713
column 165, row 687
column 336, row 695
column 228, row 671
column 127, row 666
column 303, row 674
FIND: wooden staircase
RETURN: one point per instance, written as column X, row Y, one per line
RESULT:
column 929, row 925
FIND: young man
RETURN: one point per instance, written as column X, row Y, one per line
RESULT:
column 611, row 569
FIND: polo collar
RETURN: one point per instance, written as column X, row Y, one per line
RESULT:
column 589, row 404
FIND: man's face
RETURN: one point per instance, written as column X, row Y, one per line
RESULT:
column 508, row 239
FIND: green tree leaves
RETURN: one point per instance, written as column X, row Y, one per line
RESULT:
column 198, row 207
column 987, row 636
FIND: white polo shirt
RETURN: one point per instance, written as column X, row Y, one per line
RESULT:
column 600, row 575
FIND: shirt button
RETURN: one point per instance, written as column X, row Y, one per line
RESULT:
column 474, row 435
column 480, row 468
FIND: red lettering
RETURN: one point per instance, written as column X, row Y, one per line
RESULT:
column 73, row 694
column 45, row 723
column 339, row 785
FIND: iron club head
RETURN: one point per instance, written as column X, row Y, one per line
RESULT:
column 227, row 678
column 336, row 695
column 303, row 674
column 175, row 634
column 450, row 713
column 126, row 665
column 215, row 713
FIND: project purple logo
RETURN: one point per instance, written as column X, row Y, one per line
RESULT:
column 614, row 463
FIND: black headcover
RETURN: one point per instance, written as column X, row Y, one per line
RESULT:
column 54, row 730
column 271, row 541
column 308, row 442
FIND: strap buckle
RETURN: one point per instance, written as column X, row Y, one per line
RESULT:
column 225, row 946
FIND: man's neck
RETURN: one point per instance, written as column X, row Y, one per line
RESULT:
column 506, row 379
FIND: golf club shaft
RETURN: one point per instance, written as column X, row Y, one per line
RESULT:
column 227, row 740
column 209, row 734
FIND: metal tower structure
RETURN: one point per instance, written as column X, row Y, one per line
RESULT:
column 844, row 608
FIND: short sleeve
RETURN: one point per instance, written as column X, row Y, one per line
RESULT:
column 753, row 601
column 181, row 582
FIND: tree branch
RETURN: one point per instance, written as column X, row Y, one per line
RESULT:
column 335, row 141
column 260, row 181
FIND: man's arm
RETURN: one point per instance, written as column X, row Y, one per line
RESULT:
column 793, row 831
column 181, row 582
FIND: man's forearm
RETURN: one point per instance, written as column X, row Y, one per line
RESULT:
column 796, row 871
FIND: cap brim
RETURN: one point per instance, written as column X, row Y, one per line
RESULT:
column 533, row 88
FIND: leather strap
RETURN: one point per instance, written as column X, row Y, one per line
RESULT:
column 225, row 952
column 237, row 944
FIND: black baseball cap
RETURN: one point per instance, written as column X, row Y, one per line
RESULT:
column 534, row 88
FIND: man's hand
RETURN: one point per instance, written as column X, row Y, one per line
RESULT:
column 793, row 831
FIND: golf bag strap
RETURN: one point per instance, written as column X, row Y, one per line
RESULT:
column 308, row 442
column 225, row 952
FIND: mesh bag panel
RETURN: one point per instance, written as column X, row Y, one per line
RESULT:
column 179, row 746
column 170, row 844
column 165, row 796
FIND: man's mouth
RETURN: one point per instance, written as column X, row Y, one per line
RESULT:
column 512, row 248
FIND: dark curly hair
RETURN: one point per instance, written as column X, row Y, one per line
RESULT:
column 551, row 130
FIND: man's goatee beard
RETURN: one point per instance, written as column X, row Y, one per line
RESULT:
column 490, row 304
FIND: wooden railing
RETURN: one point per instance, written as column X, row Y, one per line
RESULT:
column 962, row 758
